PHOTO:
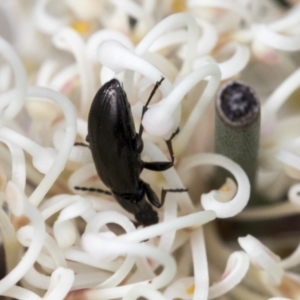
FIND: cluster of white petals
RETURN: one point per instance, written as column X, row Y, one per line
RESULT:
column 62, row 243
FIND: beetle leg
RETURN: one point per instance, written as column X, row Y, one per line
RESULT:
column 169, row 145
column 153, row 199
column 165, row 191
column 89, row 189
column 145, row 107
column 81, row 144
column 157, row 165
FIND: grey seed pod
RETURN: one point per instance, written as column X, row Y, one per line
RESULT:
column 237, row 129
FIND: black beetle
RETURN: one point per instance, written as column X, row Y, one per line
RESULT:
column 116, row 149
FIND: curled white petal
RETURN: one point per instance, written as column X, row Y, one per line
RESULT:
column 292, row 260
column 143, row 250
column 103, row 218
column 62, row 156
column 57, row 203
column 25, row 234
column 169, row 39
column 34, row 248
column 200, row 265
column 8, row 52
column 180, row 289
column 64, row 228
column 10, row 243
column 87, row 259
column 208, row 39
column 195, row 219
column 237, row 266
column 208, row 201
column 262, row 257
column 275, row 40
column 68, row 39
column 290, row 20
column 232, row 66
column 80, row 208
column 63, row 77
column 42, row 157
column 291, row 161
column 15, row 199
column 51, row 256
column 118, row 58
column 78, row 154
column 61, row 283
column 120, row 274
column 279, row 298
column 46, row 71
column 82, row 128
column 168, row 23
column 44, row 160
column 97, row 223
column 82, row 174
column 107, row 74
column 100, row 36
column 45, row 22
column 37, row 279
column 265, row 53
column 6, row 75
column 160, row 62
column 21, row 293
column 143, row 291
column 65, row 233
column 5, row 98
column 18, row 164
column 228, row 5
column 210, row 70
column 87, row 10
column 159, row 118
column 289, row 158
column 294, row 194
column 280, row 95
column 237, row 62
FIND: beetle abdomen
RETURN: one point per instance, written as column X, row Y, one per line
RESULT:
column 112, row 139
column 136, row 204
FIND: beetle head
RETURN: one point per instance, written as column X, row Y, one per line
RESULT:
column 147, row 217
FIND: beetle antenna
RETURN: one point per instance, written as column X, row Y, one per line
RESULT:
column 157, row 84
column 90, row 189
column 145, row 107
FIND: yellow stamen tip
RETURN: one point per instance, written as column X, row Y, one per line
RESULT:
column 224, row 188
column 81, row 26
column 190, row 290
column 179, row 5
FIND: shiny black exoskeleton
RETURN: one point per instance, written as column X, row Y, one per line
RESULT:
column 116, row 149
